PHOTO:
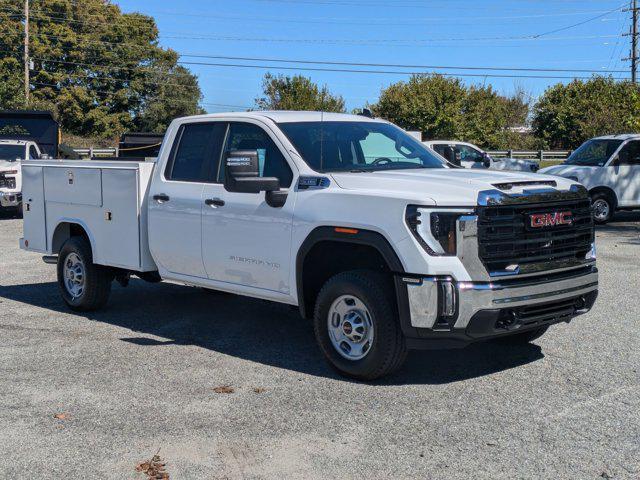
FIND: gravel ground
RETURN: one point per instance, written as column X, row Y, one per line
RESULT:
column 140, row 377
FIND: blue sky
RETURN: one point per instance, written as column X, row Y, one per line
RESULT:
column 432, row 32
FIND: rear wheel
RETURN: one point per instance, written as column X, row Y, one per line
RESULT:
column 84, row 285
column 603, row 207
column 356, row 325
column 524, row 337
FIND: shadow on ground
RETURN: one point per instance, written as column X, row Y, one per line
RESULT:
column 259, row 331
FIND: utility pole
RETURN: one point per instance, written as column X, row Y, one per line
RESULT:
column 26, row 52
column 633, row 54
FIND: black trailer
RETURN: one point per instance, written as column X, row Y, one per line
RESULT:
column 34, row 125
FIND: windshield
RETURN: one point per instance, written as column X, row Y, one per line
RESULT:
column 593, row 153
column 358, row 146
column 12, row 152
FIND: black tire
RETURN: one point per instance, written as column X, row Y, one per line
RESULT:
column 388, row 350
column 604, row 199
column 97, row 279
column 524, row 337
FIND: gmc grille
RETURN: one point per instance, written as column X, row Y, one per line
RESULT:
column 506, row 238
column 7, row 182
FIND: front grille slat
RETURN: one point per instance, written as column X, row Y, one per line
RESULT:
column 505, row 239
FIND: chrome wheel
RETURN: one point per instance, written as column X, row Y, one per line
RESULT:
column 601, row 210
column 74, row 275
column 350, row 327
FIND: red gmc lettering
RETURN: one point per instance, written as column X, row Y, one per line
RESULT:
column 551, row 219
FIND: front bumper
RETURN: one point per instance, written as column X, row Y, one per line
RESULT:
column 464, row 312
column 10, row 199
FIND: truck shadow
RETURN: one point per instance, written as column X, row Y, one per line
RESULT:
column 263, row 332
column 622, row 223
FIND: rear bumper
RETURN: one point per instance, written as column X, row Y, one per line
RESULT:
column 457, row 313
column 10, row 199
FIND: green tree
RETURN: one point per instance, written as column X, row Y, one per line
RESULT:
column 444, row 108
column 102, row 71
column 297, row 93
column 567, row 115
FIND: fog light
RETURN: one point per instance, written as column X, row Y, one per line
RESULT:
column 447, row 299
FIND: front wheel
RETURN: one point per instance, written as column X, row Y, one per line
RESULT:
column 356, row 325
column 84, row 285
column 603, row 207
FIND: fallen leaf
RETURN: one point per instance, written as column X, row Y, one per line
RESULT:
column 259, row 390
column 61, row 416
column 224, row 389
column 154, row 468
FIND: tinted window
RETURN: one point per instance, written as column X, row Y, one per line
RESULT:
column 11, row 152
column 197, row 154
column 469, row 154
column 344, row 146
column 33, row 154
column 630, row 154
column 246, row 136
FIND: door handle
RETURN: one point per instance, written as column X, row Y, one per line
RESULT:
column 214, row 202
column 161, row 197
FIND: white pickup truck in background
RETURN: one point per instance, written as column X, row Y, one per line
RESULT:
column 468, row 155
column 609, row 167
column 349, row 218
column 12, row 152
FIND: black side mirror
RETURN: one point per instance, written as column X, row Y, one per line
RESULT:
column 486, row 160
column 242, row 173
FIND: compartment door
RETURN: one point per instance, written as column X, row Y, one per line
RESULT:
column 34, row 225
column 119, row 239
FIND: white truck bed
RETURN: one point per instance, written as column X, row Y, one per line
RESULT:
column 107, row 198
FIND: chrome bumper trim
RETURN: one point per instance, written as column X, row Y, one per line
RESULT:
column 474, row 297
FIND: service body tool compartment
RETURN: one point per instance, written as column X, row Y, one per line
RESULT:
column 33, row 208
column 107, row 199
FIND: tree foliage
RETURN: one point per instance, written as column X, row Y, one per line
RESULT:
column 444, row 108
column 567, row 115
column 101, row 71
column 297, row 93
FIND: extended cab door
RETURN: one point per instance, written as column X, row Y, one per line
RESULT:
column 175, row 198
column 245, row 240
column 624, row 174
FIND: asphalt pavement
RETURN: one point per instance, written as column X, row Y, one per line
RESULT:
column 222, row 386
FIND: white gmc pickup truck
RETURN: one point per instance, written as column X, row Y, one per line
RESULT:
column 349, row 218
column 12, row 152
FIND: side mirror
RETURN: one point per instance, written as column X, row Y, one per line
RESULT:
column 486, row 160
column 242, row 173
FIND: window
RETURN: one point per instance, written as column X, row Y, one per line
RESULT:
column 630, row 154
column 370, row 146
column 33, row 153
column 469, row 154
column 196, row 152
column 593, row 153
column 11, row 152
column 440, row 148
column 246, row 136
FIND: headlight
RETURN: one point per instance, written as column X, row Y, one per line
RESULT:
column 435, row 229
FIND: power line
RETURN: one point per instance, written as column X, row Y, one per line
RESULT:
column 617, row 9
column 394, row 65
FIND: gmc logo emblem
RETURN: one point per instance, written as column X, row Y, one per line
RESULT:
column 539, row 220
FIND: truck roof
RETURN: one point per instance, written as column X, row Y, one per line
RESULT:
column 13, row 142
column 620, row 136
column 282, row 116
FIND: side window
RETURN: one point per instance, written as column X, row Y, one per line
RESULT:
column 246, row 136
column 33, row 153
column 469, row 154
column 630, row 154
column 195, row 155
column 439, row 148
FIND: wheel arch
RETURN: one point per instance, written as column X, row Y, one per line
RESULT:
column 606, row 190
column 330, row 250
column 67, row 228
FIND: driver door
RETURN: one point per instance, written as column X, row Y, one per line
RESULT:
column 625, row 175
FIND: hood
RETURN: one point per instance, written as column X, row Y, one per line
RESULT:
column 565, row 170
column 443, row 186
column 6, row 165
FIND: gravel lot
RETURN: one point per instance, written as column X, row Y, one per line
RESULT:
column 140, row 377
